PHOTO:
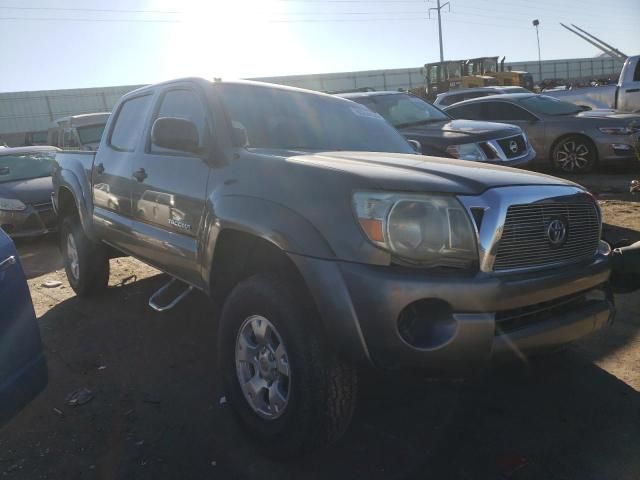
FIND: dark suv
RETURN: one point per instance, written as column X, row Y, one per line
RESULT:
column 440, row 135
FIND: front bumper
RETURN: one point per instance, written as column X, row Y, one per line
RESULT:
column 34, row 220
column 470, row 335
column 616, row 148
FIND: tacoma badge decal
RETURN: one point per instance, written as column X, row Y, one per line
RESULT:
column 178, row 224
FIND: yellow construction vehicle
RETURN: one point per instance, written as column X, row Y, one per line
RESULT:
column 452, row 74
column 491, row 67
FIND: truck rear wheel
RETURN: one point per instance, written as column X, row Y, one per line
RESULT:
column 287, row 388
column 85, row 262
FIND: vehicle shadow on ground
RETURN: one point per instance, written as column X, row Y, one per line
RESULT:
column 157, row 411
column 39, row 255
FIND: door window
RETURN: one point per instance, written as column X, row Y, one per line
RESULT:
column 500, row 111
column 185, row 104
column 469, row 112
column 129, row 123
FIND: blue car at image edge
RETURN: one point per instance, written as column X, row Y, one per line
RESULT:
column 23, row 369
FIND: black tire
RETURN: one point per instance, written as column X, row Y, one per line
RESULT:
column 574, row 154
column 91, row 274
column 322, row 391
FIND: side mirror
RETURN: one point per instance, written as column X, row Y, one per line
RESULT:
column 634, row 186
column 417, row 146
column 175, row 134
column 5, row 170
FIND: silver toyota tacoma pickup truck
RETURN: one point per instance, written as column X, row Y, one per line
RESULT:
column 330, row 244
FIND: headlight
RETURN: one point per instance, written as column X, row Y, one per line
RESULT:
column 467, row 151
column 427, row 230
column 11, row 204
column 620, row 130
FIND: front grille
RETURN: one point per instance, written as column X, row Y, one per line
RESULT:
column 512, row 320
column 517, row 141
column 525, row 241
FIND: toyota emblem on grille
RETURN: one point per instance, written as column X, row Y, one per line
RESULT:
column 513, row 146
column 556, row 232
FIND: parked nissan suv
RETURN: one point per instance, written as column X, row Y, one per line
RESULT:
column 439, row 135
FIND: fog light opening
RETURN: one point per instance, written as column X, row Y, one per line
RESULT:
column 427, row 323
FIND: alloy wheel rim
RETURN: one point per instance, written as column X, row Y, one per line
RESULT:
column 72, row 256
column 262, row 367
column 572, row 156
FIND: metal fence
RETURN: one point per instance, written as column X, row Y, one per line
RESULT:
column 22, row 112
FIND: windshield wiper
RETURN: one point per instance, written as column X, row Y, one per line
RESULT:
column 420, row 122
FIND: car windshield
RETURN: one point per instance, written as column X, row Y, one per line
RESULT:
column 282, row 119
column 549, row 106
column 402, row 110
column 25, row 166
column 90, row 133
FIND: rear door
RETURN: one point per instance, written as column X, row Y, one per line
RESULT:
column 168, row 187
column 23, row 371
column 111, row 176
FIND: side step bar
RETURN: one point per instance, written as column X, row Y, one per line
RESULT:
column 173, row 303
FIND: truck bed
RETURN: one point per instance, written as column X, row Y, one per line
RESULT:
column 593, row 97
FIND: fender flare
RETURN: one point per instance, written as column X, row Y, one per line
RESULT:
column 68, row 180
column 270, row 221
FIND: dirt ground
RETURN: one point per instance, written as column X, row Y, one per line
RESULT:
column 157, row 412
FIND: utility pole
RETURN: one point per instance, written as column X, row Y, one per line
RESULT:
column 439, row 8
column 536, row 22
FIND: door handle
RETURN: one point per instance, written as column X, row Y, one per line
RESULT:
column 100, row 169
column 632, row 90
column 140, row 174
column 7, row 262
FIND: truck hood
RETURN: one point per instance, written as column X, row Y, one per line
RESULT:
column 451, row 132
column 34, row 190
column 418, row 173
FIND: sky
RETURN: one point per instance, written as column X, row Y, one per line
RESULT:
column 55, row 44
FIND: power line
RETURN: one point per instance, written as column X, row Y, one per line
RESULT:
column 96, row 10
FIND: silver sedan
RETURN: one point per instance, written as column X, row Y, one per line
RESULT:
column 562, row 134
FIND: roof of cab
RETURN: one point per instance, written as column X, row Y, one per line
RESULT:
column 204, row 82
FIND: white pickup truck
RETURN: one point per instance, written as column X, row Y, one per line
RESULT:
column 625, row 96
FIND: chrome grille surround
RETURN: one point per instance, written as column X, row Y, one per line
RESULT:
column 496, row 203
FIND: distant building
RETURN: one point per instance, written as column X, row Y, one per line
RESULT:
column 26, row 116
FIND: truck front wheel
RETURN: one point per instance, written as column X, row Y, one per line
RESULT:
column 287, row 388
column 85, row 262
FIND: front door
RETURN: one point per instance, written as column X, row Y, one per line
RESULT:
column 168, row 189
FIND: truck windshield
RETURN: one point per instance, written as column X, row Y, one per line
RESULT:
column 90, row 133
column 25, row 166
column 285, row 119
column 402, row 110
column 549, row 106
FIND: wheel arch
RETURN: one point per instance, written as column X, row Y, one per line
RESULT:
column 240, row 254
